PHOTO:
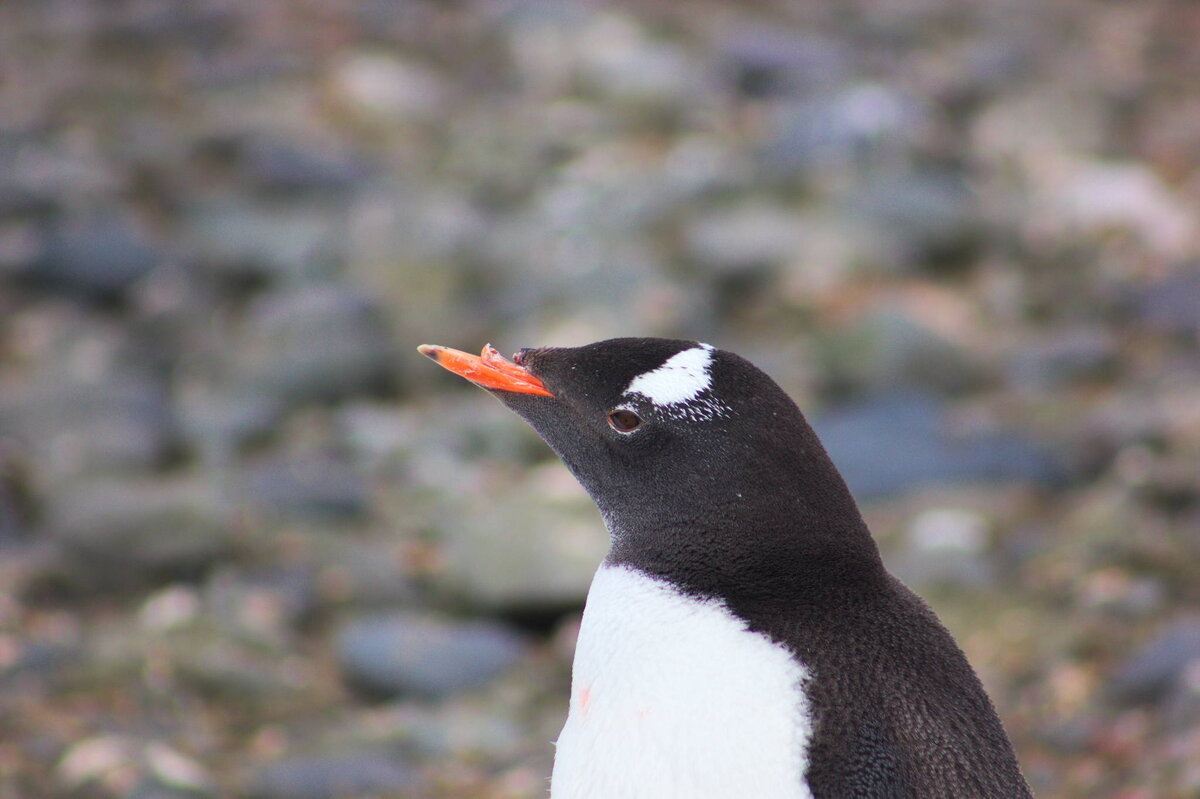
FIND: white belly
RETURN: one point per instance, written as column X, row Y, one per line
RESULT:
column 674, row 697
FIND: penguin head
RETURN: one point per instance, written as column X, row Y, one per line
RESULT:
column 682, row 446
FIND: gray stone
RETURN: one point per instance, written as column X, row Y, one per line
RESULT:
column 95, row 257
column 127, row 532
column 931, row 215
column 74, row 425
column 531, row 553
column 1068, row 357
column 264, row 241
column 860, row 128
column 945, row 548
column 1159, row 668
column 892, row 348
column 747, row 236
column 217, row 422
column 416, row 654
column 335, row 776
column 894, row 442
column 768, row 61
column 315, row 343
column 285, row 168
column 314, row 487
column 1173, row 303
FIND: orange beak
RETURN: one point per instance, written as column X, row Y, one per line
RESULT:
column 489, row 369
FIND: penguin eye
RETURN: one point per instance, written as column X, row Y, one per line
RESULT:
column 624, row 421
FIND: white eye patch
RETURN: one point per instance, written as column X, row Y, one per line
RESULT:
column 676, row 386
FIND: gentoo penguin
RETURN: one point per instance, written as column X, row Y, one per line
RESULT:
column 742, row 639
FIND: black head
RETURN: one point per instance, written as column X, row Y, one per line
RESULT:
column 703, row 468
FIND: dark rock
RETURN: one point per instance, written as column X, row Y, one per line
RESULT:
column 316, row 487
column 41, row 174
column 1159, row 668
column 315, row 343
column 96, row 257
column 399, row 654
column 895, row 442
column 774, row 61
column 931, row 215
column 285, row 168
column 335, row 777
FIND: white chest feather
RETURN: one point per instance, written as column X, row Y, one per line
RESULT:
column 674, row 697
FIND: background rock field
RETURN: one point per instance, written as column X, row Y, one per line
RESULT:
column 253, row 545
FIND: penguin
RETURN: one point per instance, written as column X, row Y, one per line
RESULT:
column 742, row 638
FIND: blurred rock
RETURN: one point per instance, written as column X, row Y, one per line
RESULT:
column 125, row 533
column 335, row 776
column 510, row 553
column 318, row 488
column 95, row 257
column 770, row 61
column 417, row 654
column 860, row 128
column 1172, row 304
column 892, row 347
column 244, row 241
column 945, row 548
column 1158, row 668
column 745, row 237
column 266, row 603
column 111, row 761
column 1062, row 359
column 1092, row 198
column 894, row 442
column 381, row 86
column 286, row 168
column 75, row 424
column 219, row 421
column 931, row 216
column 316, row 342
column 618, row 57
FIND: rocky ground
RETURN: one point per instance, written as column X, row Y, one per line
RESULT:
column 251, row 544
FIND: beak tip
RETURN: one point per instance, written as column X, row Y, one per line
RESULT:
column 429, row 350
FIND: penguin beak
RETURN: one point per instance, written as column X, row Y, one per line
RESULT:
column 489, row 369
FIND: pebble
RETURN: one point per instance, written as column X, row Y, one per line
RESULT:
column 317, row 342
column 243, row 241
column 1172, row 303
column 407, row 653
column 1159, row 667
column 113, row 422
column 894, row 442
column 335, row 776
column 512, row 555
column 122, row 533
column 1063, row 358
column 318, row 488
column 97, row 257
column 946, row 548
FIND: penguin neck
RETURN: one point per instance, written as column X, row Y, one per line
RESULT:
column 760, row 549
